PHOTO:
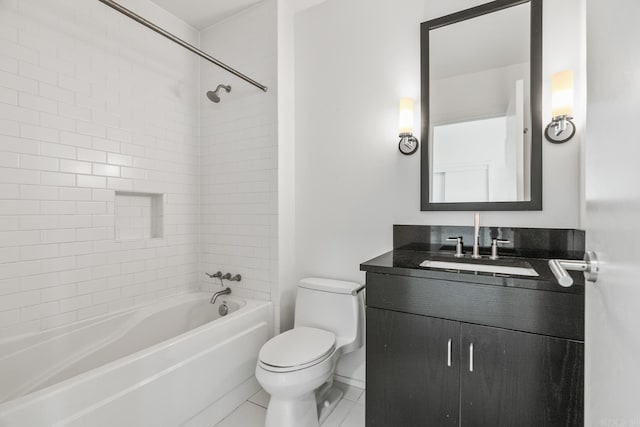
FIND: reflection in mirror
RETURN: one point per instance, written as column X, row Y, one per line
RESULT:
column 480, row 127
column 479, row 115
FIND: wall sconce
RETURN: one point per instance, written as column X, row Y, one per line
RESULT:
column 408, row 143
column 561, row 129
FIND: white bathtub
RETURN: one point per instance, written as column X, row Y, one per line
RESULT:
column 173, row 363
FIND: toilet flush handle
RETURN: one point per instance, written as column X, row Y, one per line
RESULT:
column 358, row 290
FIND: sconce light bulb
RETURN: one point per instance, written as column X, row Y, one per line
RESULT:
column 562, row 94
column 406, row 116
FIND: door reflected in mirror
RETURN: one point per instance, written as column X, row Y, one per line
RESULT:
column 483, row 142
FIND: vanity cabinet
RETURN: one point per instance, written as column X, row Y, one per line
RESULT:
column 510, row 378
column 411, row 377
column 444, row 353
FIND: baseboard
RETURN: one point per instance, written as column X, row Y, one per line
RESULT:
column 350, row 381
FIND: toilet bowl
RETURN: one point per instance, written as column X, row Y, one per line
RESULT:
column 296, row 367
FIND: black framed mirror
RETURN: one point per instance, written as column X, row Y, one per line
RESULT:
column 481, row 79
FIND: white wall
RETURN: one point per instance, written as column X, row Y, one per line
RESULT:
column 240, row 153
column 286, row 165
column 90, row 103
column 354, row 61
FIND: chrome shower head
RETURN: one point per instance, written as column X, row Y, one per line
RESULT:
column 213, row 95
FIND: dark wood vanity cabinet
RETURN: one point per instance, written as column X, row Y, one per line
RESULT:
column 411, row 380
column 519, row 379
column 429, row 369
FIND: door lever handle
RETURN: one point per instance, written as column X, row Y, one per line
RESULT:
column 589, row 266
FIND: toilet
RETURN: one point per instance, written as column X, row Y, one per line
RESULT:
column 296, row 367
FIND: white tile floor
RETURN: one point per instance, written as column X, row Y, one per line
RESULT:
column 348, row 413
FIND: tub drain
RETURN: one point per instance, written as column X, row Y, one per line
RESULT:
column 223, row 310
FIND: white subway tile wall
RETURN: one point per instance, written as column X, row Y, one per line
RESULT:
column 138, row 216
column 92, row 103
column 239, row 155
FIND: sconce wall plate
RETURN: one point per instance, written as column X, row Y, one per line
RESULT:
column 560, row 130
column 408, row 144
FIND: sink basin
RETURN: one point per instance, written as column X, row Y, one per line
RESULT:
column 484, row 268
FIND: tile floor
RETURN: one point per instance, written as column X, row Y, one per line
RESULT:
column 348, row 413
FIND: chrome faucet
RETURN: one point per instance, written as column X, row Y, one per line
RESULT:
column 217, row 294
column 459, row 246
column 476, row 236
column 494, row 247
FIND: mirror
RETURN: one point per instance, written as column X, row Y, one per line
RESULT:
column 481, row 100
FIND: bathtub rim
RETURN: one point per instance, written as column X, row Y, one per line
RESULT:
column 59, row 331
column 250, row 306
column 129, row 320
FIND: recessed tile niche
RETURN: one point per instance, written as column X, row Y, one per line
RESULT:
column 138, row 216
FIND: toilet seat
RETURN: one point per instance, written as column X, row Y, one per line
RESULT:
column 297, row 349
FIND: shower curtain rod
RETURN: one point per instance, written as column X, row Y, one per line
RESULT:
column 154, row 27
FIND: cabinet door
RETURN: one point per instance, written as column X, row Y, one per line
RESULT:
column 413, row 370
column 513, row 378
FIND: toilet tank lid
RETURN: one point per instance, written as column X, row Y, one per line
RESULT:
column 328, row 285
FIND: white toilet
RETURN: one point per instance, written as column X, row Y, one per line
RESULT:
column 296, row 367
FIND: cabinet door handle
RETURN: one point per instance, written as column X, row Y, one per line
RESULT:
column 471, row 357
column 449, row 353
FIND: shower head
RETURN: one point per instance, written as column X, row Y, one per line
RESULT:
column 213, row 95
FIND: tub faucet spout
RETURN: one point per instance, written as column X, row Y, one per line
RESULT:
column 217, row 294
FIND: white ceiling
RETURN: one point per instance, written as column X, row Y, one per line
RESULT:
column 301, row 5
column 203, row 13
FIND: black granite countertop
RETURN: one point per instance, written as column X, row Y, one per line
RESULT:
column 407, row 263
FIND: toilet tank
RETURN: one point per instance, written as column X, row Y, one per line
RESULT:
column 330, row 305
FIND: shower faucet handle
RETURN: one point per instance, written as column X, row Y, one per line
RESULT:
column 227, row 276
column 236, row 278
column 218, row 275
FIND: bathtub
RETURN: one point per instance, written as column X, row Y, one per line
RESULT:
column 176, row 362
